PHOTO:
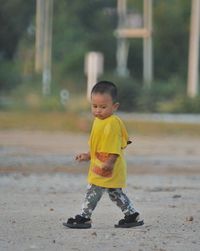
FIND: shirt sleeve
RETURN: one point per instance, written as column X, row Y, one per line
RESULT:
column 111, row 139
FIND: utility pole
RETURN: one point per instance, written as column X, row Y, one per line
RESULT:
column 46, row 75
column 39, row 43
column 43, row 54
column 193, row 64
column 93, row 68
column 123, row 33
column 122, row 42
column 147, row 44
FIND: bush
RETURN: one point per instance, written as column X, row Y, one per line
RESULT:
column 128, row 94
column 185, row 104
column 9, row 75
column 147, row 100
column 158, row 97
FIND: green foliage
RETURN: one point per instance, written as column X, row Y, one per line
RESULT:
column 83, row 26
column 128, row 94
column 184, row 104
column 79, row 27
column 151, row 98
column 10, row 75
column 15, row 17
column 171, row 36
column 28, row 97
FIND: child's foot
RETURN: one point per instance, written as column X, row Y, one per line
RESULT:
column 130, row 221
column 78, row 222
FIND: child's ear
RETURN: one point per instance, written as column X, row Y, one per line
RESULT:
column 116, row 106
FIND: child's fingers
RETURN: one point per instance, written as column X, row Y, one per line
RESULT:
column 82, row 157
column 78, row 157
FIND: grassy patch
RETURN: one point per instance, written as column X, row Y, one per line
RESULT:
column 50, row 121
column 74, row 122
column 162, row 128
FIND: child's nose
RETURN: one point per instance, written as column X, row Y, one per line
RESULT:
column 98, row 110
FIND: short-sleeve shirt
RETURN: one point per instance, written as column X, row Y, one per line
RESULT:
column 108, row 136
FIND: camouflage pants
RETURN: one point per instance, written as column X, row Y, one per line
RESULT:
column 94, row 194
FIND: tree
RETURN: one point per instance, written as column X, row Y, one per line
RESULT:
column 15, row 17
column 79, row 27
column 171, row 34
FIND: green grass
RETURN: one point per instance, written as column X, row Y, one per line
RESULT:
column 162, row 128
column 50, row 121
column 74, row 122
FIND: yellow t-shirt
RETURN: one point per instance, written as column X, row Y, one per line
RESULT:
column 108, row 136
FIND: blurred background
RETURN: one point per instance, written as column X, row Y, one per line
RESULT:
column 46, row 49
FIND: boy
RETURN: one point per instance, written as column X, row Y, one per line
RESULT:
column 107, row 170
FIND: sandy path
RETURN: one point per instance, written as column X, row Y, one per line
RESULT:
column 34, row 207
column 28, row 152
column 41, row 186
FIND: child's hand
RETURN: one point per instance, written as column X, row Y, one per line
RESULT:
column 107, row 170
column 83, row 157
column 108, row 165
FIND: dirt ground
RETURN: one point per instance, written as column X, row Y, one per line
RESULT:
column 41, row 186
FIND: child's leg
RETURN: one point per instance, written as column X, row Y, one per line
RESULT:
column 121, row 200
column 93, row 195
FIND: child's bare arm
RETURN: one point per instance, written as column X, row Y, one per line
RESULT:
column 109, row 164
column 83, row 157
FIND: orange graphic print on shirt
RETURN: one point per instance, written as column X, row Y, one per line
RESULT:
column 102, row 158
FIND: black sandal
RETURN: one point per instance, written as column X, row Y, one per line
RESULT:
column 130, row 221
column 78, row 222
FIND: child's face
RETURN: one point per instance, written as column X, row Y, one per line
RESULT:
column 102, row 105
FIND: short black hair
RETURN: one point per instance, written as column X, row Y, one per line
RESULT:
column 106, row 87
